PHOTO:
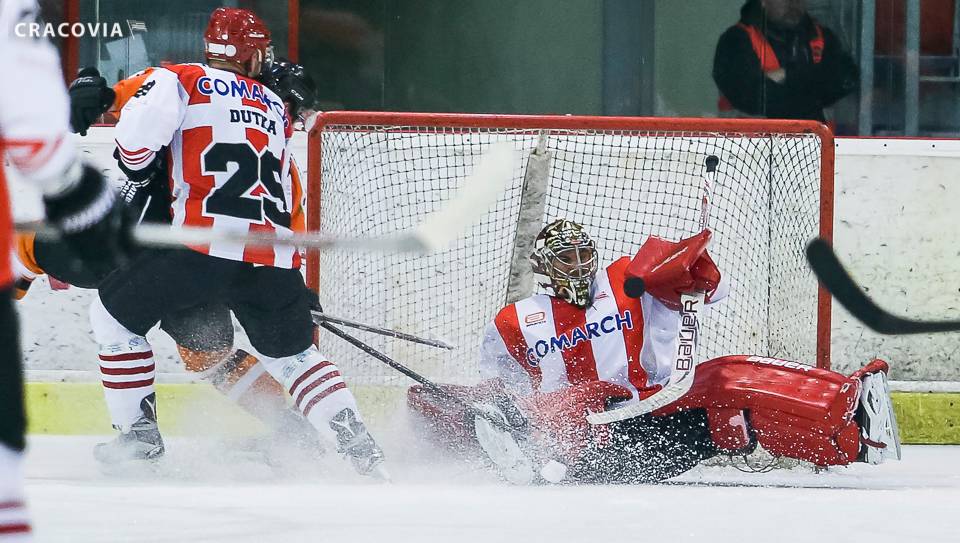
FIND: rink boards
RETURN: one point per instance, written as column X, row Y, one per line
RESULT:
column 192, row 409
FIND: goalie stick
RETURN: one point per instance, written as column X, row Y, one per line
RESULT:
column 477, row 192
column 832, row 275
column 319, row 317
column 685, row 363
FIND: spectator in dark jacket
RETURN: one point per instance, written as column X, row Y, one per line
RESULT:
column 778, row 62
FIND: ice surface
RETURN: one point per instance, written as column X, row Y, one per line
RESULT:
column 200, row 496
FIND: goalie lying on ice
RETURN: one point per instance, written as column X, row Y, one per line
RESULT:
column 594, row 345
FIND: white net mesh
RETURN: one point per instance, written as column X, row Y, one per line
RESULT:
column 621, row 185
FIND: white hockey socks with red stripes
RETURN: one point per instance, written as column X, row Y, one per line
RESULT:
column 14, row 522
column 316, row 386
column 126, row 367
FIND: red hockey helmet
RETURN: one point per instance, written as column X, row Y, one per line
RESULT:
column 238, row 36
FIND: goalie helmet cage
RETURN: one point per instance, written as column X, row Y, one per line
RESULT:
column 623, row 178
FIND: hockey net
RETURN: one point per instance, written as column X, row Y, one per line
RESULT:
column 623, row 178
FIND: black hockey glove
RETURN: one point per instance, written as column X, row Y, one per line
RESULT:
column 314, row 299
column 131, row 194
column 90, row 97
column 157, row 169
column 91, row 220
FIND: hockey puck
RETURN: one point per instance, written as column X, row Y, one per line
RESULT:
column 634, row 287
column 712, row 162
column 553, row 472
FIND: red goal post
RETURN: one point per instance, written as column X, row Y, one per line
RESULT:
column 627, row 177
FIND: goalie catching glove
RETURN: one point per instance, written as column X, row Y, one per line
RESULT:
column 667, row 269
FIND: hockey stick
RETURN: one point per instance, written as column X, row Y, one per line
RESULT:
column 428, row 384
column 832, row 275
column 319, row 318
column 685, row 364
column 476, row 194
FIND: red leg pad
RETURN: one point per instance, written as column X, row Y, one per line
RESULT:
column 446, row 423
column 793, row 437
column 795, row 410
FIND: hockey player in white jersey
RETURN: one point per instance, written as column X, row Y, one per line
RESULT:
column 595, row 343
column 34, row 136
column 225, row 138
column 205, row 334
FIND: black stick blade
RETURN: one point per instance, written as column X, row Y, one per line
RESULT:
column 838, row 282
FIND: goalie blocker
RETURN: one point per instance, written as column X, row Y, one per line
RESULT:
column 590, row 365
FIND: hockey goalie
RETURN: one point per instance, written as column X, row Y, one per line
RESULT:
column 599, row 343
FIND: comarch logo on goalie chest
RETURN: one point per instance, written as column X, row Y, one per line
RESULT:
column 607, row 325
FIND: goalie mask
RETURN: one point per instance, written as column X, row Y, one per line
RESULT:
column 565, row 260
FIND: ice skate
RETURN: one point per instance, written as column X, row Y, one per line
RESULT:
column 294, row 429
column 879, row 434
column 140, row 442
column 358, row 445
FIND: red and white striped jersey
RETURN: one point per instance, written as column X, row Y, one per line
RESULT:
column 34, row 114
column 228, row 160
column 543, row 343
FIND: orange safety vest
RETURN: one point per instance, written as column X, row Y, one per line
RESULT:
column 768, row 59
